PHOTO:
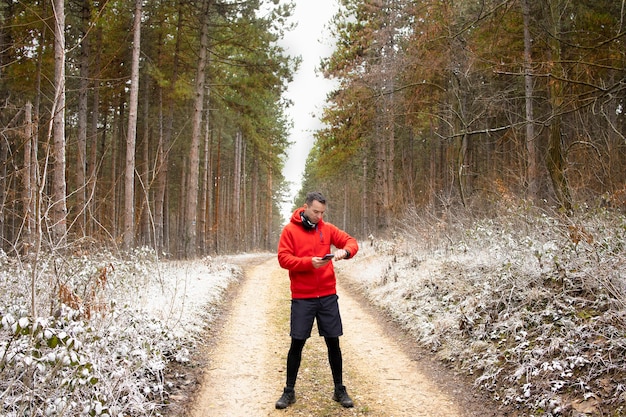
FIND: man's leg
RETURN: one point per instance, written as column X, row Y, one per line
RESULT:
column 335, row 359
column 294, row 357
column 336, row 366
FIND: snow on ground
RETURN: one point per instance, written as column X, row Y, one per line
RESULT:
column 105, row 331
column 185, row 292
column 185, row 295
column 532, row 307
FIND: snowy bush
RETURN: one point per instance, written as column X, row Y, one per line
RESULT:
column 532, row 305
column 104, row 333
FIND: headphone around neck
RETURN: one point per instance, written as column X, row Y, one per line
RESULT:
column 308, row 224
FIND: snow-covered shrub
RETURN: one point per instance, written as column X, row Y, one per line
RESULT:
column 105, row 330
column 532, row 305
column 47, row 356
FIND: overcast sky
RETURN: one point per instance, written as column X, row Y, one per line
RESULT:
column 312, row 41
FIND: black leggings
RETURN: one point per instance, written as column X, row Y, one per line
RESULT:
column 294, row 357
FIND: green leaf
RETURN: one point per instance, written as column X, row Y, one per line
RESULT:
column 53, row 342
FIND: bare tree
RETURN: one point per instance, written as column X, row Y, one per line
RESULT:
column 93, row 138
column 207, row 183
column 165, row 138
column 28, row 178
column 59, row 205
column 190, row 223
column 83, row 97
column 237, row 183
column 555, row 160
column 129, row 177
column 531, row 146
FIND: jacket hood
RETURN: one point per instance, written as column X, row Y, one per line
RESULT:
column 295, row 217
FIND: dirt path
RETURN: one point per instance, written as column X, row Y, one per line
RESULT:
column 246, row 365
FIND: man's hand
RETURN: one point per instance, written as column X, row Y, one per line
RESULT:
column 318, row 261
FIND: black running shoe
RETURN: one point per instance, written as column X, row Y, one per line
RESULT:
column 342, row 397
column 288, row 397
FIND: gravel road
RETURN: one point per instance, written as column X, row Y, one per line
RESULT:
column 385, row 374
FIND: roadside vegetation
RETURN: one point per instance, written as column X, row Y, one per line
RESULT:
column 107, row 333
column 531, row 304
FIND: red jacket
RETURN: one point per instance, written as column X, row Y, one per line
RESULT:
column 298, row 245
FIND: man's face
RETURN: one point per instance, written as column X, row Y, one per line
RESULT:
column 315, row 211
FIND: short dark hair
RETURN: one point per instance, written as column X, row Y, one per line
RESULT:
column 315, row 196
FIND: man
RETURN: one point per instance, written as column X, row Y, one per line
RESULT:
column 302, row 247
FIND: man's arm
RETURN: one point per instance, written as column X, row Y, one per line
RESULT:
column 287, row 258
column 348, row 246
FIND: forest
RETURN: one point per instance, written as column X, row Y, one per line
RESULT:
column 475, row 148
column 162, row 123
column 459, row 106
column 131, row 123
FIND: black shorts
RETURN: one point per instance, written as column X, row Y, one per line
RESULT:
column 324, row 309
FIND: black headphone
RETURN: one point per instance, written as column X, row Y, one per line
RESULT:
column 308, row 224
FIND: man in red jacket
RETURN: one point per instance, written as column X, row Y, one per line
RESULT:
column 303, row 244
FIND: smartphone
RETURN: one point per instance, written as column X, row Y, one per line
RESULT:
column 328, row 256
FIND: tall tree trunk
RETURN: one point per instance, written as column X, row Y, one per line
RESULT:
column 531, row 146
column 206, row 183
column 462, row 169
column 268, row 226
column 165, row 137
column 31, row 196
column 385, row 142
column 93, row 140
column 243, row 207
column 161, row 179
column 191, row 206
column 4, row 154
column 100, row 212
column 29, row 176
column 129, row 177
column 344, row 218
column 255, row 203
column 115, row 189
column 237, row 181
column 6, row 14
column 382, row 198
column 458, row 96
column 364, row 199
column 83, row 97
column 433, row 147
column 144, row 170
column 36, row 182
column 555, row 159
column 216, row 192
column 59, row 205
column 390, row 146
